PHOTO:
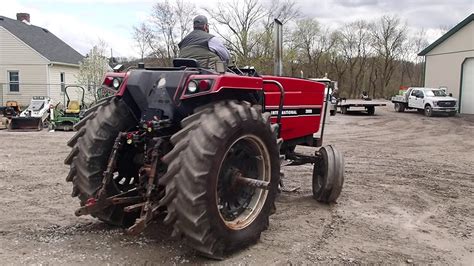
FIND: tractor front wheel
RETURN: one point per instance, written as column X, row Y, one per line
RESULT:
column 224, row 189
column 328, row 174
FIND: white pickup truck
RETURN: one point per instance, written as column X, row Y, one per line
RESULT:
column 426, row 100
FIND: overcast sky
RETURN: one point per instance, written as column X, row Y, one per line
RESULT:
column 80, row 23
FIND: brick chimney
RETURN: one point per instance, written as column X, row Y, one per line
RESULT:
column 23, row 17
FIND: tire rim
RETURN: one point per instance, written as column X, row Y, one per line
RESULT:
column 239, row 205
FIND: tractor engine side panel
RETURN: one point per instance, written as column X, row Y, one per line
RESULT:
column 302, row 105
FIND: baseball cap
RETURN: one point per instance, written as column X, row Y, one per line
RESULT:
column 200, row 21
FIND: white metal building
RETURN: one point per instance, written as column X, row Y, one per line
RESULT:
column 449, row 63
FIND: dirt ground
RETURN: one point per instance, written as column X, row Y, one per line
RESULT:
column 408, row 197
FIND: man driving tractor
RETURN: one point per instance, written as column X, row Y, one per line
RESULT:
column 202, row 46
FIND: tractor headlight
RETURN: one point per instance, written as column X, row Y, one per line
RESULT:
column 192, row 87
column 116, row 83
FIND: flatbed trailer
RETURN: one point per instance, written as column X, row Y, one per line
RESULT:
column 358, row 105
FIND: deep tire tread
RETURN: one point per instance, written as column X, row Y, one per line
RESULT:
column 92, row 145
column 187, row 209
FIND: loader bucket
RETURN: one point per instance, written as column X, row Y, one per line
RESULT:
column 25, row 124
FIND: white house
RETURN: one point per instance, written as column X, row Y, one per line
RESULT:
column 33, row 61
column 449, row 63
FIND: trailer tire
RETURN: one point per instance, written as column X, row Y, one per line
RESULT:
column 371, row 110
column 343, row 110
column 89, row 157
column 328, row 174
column 212, row 212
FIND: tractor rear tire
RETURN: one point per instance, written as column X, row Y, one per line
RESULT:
column 90, row 153
column 328, row 175
column 202, row 191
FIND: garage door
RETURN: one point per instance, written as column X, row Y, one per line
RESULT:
column 467, row 87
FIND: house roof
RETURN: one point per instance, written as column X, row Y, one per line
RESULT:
column 43, row 41
column 447, row 35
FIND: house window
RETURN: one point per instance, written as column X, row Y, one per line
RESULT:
column 14, row 81
column 62, row 78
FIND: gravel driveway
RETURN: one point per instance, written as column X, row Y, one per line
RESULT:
column 408, row 198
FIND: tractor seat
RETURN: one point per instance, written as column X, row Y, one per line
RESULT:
column 74, row 107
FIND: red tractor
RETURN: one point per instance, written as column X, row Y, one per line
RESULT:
column 200, row 148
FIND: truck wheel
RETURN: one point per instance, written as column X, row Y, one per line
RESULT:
column 396, row 106
column 89, row 157
column 214, row 209
column 428, row 110
column 399, row 107
column 332, row 112
column 328, row 174
column 371, row 110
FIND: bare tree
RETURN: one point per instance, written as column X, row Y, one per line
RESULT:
column 164, row 21
column 241, row 18
column 184, row 13
column 377, row 56
column 261, row 53
column 410, row 63
column 305, row 37
column 283, row 10
column 142, row 35
column 92, row 69
column 444, row 28
column 171, row 21
column 418, row 43
column 388, row 35
column 355, row 48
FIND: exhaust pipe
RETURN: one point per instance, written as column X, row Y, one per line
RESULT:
column 278, row 38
